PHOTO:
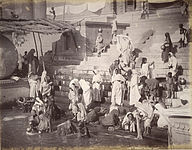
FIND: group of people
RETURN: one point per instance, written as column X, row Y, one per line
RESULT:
column 140, row 88
column 82, row 95
column 44, row 109
column 28, row 63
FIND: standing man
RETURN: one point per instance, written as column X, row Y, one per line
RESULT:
column 183, row 36
column 53, row 12
column 32, row 61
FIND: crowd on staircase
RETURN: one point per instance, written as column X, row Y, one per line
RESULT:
column 135, row 96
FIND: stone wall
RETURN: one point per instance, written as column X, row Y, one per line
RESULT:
column 92, row 31
column 179, row 135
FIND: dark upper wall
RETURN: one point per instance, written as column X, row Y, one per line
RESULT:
column 30, row 9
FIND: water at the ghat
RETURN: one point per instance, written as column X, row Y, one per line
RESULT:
column 14, row 124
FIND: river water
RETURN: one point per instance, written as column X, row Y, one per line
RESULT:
column 14, row 123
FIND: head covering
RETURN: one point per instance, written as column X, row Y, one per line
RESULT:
column 75, row 82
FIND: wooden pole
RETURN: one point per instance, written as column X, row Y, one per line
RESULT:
column 35, row 44
column 41, row 48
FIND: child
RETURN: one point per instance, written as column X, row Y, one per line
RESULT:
column 146, row 68
column 170, row 85
column 129, row 122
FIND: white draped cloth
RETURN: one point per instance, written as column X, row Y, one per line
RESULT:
column 73, row 95
column 117, row 90
column 82, row 114
column 87, row 92
column 33, row 86
column 125, row 46
column 165, row 113
column 173, row 63
column 134, row 90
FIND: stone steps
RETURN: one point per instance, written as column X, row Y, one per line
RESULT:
column 160, row 22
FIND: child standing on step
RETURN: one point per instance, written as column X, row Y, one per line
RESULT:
column 170, row 86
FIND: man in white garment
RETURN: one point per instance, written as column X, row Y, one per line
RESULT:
column 125, row 46
column 87, row 92
column 118, row 89
column 172, row 64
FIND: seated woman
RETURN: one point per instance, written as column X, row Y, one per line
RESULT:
column 44, row 123
column 129, row 123
column 99, row 46
column 144, row 113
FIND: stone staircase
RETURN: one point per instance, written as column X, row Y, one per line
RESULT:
column 159, row 23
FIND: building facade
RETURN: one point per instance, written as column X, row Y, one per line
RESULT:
column 28, row 9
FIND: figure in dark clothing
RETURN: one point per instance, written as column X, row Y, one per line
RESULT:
column 170, row 86
column 25, row 65
column 183, row 36
column 165, row 52
column 32, row 61
column 166, row 47
column 53, row 12
column 168, row 40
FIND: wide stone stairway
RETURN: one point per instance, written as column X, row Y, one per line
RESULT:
column 147, row 35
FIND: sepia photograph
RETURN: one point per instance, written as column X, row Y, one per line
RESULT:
column 95, row 74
